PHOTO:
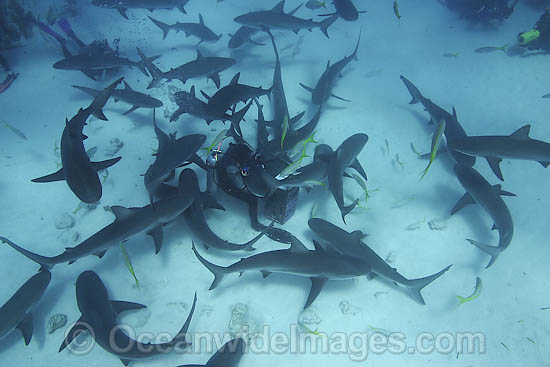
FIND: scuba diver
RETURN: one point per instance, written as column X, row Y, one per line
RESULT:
column 538, row 38
column 482, row 10
column 240, row 172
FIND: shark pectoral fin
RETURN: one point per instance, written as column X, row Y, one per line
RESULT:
column 494, row 251
column 318, row 246
column 296, row 245
column 215, row 78
column 125, row 362
column 131, row 110
column 466, row 199
column 157, row 235
column 494, row 163
column 265, row 273
column 345, row 174
column 121, row 306
column 317, row 285
column 79, row 326
column 544, row 164
column 340, row 98
column 25, row 326
column 357, row 166
column 347, row 209
column 100, row 254
column 499, row 191
column 121, row 212
column 56, row 176
column 122, row 12
column 99, row 166
column 296, row 118
column 309, row 89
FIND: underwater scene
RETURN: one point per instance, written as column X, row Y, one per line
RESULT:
column 272, row 183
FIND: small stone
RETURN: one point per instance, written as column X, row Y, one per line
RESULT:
column 309, row 316
column 64, row 221
column 437, row 224
column 241, row 324
column 348, row 309
column 115, row 144
column 69, row 237
column 55, row 322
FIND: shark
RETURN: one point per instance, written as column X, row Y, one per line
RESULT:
column 16, row 313
column 189, row 103
column 202, row 66
column 315, row 171
column 149, row 219
column 171, row 153
column 123, row 5
column 229, row 355
column 227, row 96
column 479, row 191
column 345, row 156
column 453, row 129
column 94, row 61
column 194, row 217
column 345, row 10
column 319, row 265
column 277, row 19
column 99, row 317
column 243, row 35
column 351, row 244
column 199, row 30
column 77, row 169
column 323, row 89
column 494, row 149
column 127, row 95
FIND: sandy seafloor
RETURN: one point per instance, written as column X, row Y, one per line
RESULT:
column 493, row 94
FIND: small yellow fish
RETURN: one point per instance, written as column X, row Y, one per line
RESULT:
column 285, row 130
column 436, row 142
column 477, row 292
column 294, row 165
column 451, row 54
column 485, row 50
column 128, row 264
column 396, row 10
column 14, row 130
column 217, row 140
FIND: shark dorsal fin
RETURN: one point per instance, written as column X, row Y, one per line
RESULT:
column 121, row 212
column 297, row 246
column 127, row 87
column 163, row 139
column 318, row 246
column 454, row 114
column 235, row 79
column 522, row 133
column 358, row 235
column 192, row 91
column 66, row 121
column 201, row 21
column 199, row 56
column 279, row 8
column 328, row 65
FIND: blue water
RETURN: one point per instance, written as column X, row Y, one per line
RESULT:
column 407, row 220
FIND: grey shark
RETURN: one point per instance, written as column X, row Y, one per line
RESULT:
column 518, row 145
column 243, row 35
column 318, row 265
column 99, row 314
column 149, row 219
column 227, row 96
column 345, row 156
column 453, row 129
column 122, row 5
column 77, row 169
column 479, row 191
column 194, row 216
column 277, row 19
column 171, row 153
column 202, row 66
column 229, row 355
column 345, row 10
column 188, row 103
column 323, row 89
column 315, row 171
column 199, row 30
column 351, row 244
column 85, row 61
column 16, row 313
column 127, row 95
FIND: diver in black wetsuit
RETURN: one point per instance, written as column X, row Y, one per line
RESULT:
column 538, row 38
column 238, row 172
column 482, row 10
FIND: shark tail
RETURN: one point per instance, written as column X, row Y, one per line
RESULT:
column 163, row 26
column 248, row 246
column 45, row 262
column 180, row 337
column 413, row 90
column 96, row 107
column 416, row 285
column 323, row 26
column 219, row 271
column 153, row 70
column 494, row 251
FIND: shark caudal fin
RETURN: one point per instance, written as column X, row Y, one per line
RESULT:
column 153, row 70
column 96, row 107
column 45, row 262
column 323, row 26
column 180, row 337
column 413, row 90
column 416, row 285
column 248, row 246
column 163, row 26
column 494, row 251
column 219, row 271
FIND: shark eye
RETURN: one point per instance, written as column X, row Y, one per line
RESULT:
column 244, row 171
